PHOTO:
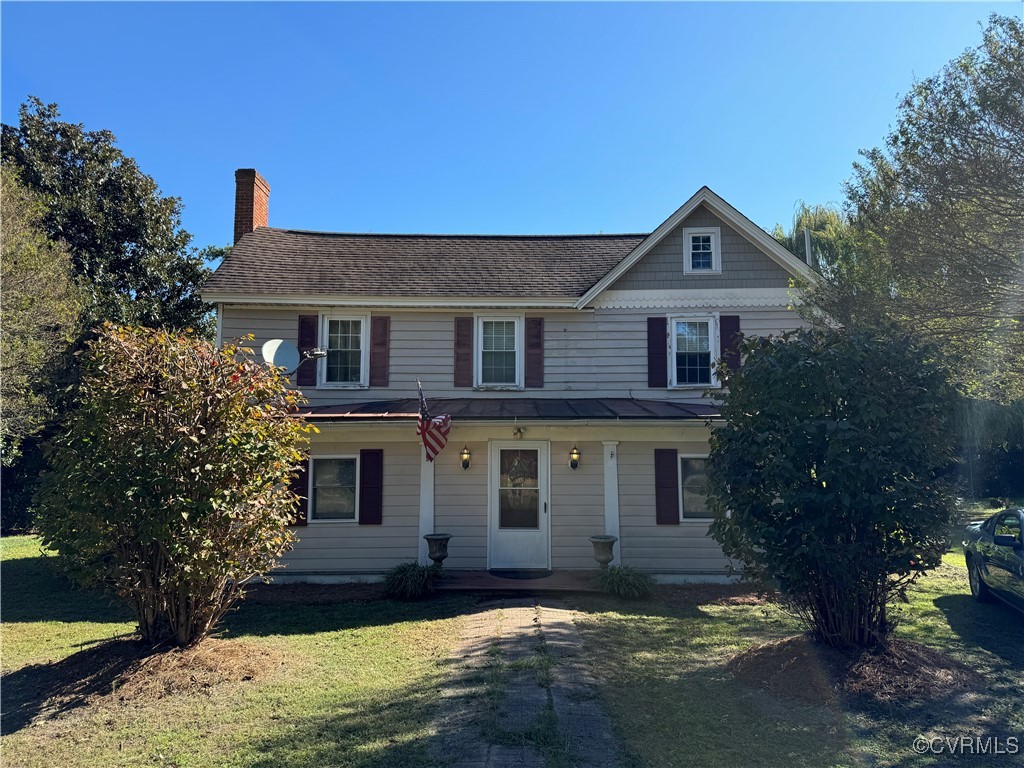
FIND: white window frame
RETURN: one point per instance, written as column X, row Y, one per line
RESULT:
column 682, row 509
column 478, row 352
column 716, row 250
column 364, row 358
column 714, row 343
column 310, row 498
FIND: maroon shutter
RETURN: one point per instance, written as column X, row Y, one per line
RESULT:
column 535, row 352
column 657, row 352
column 300, row 486
column 666, row 486
column 309, row 326
column 463, row 351
column 729, row 331
column 380, row 351
column 371, row 486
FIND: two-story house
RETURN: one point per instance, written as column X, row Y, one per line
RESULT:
column 574, row 368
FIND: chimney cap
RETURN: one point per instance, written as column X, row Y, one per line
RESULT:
column 251, row 173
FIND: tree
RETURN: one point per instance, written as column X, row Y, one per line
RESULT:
column 171, row 484
column 828, row 477
column 38, row 316
column 125, row 238
column 940, row 214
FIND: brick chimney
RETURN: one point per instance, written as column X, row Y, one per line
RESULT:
column 252, row 200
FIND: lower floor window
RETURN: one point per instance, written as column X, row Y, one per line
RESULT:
column 334, row 489
column 694, row 481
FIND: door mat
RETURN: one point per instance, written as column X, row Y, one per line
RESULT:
column 521, row 574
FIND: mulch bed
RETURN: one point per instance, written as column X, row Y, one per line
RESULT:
column 125, row 671
column 196, row 670
column 799, row 668
column 687, row 595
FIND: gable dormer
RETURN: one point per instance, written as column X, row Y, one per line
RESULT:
column 705, row 245
column 703, row 252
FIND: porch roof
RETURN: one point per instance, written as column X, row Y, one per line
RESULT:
column 524, row 408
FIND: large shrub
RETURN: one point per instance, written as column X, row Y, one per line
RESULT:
column 171, row 482
column 829, row 478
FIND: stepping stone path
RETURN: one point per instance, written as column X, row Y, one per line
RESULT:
column 520, row 689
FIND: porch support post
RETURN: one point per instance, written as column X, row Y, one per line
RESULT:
column 426, row 505
column 611, row 494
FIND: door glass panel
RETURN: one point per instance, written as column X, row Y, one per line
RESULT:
column 518, row 490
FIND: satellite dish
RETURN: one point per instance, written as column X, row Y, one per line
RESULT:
column 281, row 354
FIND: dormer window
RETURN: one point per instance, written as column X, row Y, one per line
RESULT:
column 702, row 251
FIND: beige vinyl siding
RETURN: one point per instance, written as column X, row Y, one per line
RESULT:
column 645, row 544
column 744, row 265
column 599, row 353
column 577, row 504
column 344, row 546
column 460, row 505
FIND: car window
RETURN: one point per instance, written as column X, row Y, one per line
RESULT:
column 1008, row 525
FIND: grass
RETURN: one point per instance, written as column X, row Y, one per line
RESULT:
column 670, row 655
column 361, row 679
column 358, row 687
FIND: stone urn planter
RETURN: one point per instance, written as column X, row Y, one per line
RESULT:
column 603, row 549
column 438, row 547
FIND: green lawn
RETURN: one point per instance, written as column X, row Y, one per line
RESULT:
column 361, row 677
column 664, row 682
column 357, row 689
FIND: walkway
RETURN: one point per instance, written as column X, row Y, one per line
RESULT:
column 520, row 695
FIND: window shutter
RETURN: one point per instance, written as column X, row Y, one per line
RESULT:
column 380, row 351
column 463, row 351
column 371, row 486
column 730, row 335
column 300, row 485
column 657, row 352
column 535, row 352
column 666, row 486
column 309, row 326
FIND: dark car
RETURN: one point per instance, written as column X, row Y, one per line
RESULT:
column 995, row 557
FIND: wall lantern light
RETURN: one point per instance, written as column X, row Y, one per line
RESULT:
column 467, row 457
column 574, row 458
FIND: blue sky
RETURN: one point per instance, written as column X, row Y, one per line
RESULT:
column 492, row 118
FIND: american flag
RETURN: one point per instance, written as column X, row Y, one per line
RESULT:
column 432, row 431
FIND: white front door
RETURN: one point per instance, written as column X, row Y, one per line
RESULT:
column 519, row 523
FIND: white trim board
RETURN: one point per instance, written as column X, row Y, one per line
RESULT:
column 705, row 297
column 726, row 213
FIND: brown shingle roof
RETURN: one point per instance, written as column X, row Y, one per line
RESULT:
column 271, row 261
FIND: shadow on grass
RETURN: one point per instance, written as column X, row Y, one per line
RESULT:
column 670, row 655
column 258, row 619
column 995, row 627
column 382, row 729
column 34, row 589
column 70, row 683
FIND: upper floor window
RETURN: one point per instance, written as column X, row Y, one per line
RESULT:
column 702, row 252
column 499, row 353
column 344, row 339
column 695, row 347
